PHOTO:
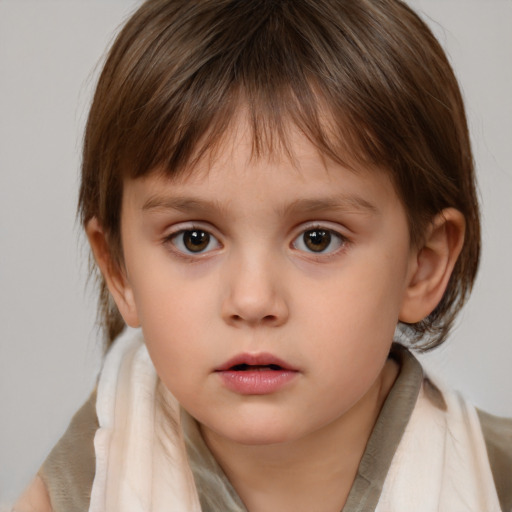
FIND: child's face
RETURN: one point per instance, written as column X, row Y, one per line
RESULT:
column 260, row 262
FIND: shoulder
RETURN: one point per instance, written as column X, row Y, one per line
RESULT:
column 35, row 498
column 68, row 472
column 498, row 440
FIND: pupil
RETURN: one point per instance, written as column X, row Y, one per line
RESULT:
column 196, row 240
column 317, row 239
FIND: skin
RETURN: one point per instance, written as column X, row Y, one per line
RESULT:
column 35, row 498
column 258, row 287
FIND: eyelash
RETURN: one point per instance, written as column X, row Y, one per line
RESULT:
column 299, row 243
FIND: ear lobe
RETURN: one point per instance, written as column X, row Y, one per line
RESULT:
column 114, row 276
column 433, row 265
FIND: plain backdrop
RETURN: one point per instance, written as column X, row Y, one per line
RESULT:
column 49, row 346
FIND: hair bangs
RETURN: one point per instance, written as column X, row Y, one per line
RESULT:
column 268, row 76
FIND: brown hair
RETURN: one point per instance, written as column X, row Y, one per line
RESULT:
column 180, row 69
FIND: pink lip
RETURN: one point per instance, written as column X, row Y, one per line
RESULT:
column 256, row 374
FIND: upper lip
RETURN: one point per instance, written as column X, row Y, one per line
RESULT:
column 261, row 359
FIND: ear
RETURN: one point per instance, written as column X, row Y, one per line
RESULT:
column 113, row 274
column 432, row 265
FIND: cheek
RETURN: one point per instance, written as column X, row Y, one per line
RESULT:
column 358, row 299
column 353, row 320
column 175, row 318
column 166, row 294
column 173, row 346
column 172, row 319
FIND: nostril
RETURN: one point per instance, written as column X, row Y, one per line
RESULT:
column 238, row 312
column 267, row 319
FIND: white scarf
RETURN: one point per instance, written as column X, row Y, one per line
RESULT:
column 441, row 462
column 133, row 473
column 440, row 465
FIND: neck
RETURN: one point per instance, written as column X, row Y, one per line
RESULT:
column 303, row 474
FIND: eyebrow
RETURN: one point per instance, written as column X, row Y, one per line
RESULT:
column 345, row 203
column 183, row 204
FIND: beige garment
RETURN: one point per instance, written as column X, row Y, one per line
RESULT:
column 68, row 471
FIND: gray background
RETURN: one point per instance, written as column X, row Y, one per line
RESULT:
column 49, row 349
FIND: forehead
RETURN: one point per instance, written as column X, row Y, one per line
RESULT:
column 246, row 144
column 294, row 175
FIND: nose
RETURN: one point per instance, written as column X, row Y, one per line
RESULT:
column 255, row 294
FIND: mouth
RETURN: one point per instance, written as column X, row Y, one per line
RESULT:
column 255, row 362
column 260, row 374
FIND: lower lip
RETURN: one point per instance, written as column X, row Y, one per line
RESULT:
column 256, row 382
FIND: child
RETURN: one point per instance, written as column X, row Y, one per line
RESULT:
column 269, row 188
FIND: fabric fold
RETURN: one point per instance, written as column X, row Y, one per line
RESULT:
column 441, row 462
column 138, row 468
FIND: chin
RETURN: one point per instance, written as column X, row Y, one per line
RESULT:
column 258, row 433
column 263, row 439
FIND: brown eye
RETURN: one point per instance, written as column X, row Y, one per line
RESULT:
column 194, row 241
column 319, row 240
